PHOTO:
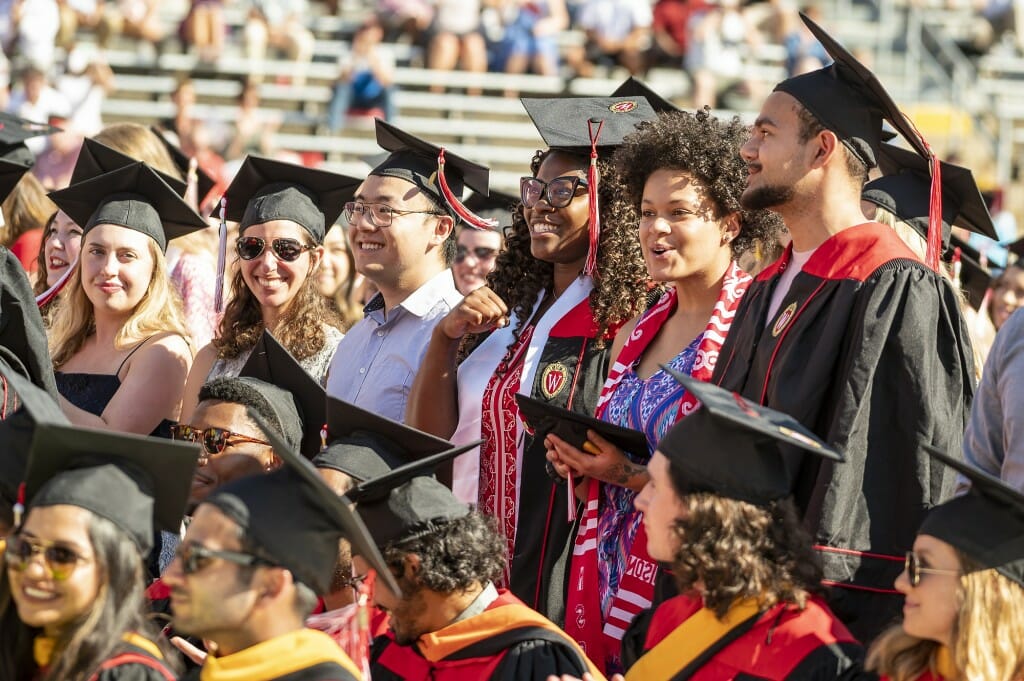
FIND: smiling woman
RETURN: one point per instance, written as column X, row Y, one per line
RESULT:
column 122, row 330
column 283, row 211
column 72, row 599
column 542, row 327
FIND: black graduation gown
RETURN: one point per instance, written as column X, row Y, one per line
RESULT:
column 133, row 663
column 570, row 374
column 326, row 671
column 869, row 350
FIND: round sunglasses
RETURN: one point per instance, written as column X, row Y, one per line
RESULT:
column 214, row 440
column 288, row 250
column 196, row 557
column 60, row 560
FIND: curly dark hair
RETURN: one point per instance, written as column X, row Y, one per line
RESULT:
column 738, row 550
column 706, row 147
column 300, row 329
column 620, row 282
column 454, row 554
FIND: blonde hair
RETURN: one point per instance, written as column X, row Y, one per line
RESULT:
column 986, row 634
column 159, row 311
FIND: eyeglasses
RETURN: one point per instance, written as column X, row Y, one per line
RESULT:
column 196, row 557
column 214, row 440
column 912, row 565
column 559, row 192
column 380, row 214
column 60, row 560
column 480, row 253
column 289, row 250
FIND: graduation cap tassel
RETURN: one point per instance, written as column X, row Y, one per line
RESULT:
column 465, row 214
column 49, row 294
column 19, row 506
column 595, row 213
column 222, row 256
column 934, row 253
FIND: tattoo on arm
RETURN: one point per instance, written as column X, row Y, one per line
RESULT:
column 622, row 473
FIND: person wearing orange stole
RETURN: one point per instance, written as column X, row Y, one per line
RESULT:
column 448, row 620
column 963, row 617
column 72, row 603
column 718, row 508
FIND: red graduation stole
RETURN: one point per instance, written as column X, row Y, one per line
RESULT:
column 600, row 634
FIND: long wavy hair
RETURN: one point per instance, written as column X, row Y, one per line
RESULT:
column 620, row 283
column 159, row 311
column 737, row 550
column 25, row 208
column 96, row 635
column 987, row 634
column 300, row 329
column 707, row 148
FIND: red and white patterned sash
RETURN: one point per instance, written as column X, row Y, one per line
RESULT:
column 600, row 634
column 498, row 426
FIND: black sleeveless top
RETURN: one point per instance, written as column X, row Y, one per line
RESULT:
column 93, row 392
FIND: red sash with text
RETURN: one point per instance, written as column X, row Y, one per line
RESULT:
column 600, row 634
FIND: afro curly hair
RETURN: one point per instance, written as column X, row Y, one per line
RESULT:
column 706, row 147
column 621, row 284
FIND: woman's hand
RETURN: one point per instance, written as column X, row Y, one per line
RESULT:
column 600, row 460
column 482, row 310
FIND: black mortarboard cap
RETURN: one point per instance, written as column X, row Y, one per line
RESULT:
column 732, row 448
column 22, row 335
column 562, row 122
column 975, row 279
column 272, row 363
column 138, row 483
column 364, row 445
column 96, row 158
column 204, row 183
column 296, row 520
column 33, row 406
column 543, row 418
column 134, row 197
column 634, row 87
column 11, row 173
column 905, row 191
column 849, row 100
column 987, row 523
column 13, row 133
column 415, row 160
column 497, row 206
column 393, row 504
column 265, row 190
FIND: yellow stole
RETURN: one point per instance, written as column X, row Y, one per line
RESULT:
column 944, row 664
column 42, row 647
column 277, row 657
column 687, row 641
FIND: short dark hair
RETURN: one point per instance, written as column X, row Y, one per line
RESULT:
column 454, row 554
column 230, row 389
column 811, row 126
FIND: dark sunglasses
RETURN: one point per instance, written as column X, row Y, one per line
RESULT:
column 214, row 440
column 912, row 564
column 559, row 192
column 196, row 557
column 289, row 250
column 479, row 252
column 60, row 560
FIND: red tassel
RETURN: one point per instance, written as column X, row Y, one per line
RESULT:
column 595, row 210
column 222, row 257
column 49, row 294
column 934, row 254
column 466, row 215
column 19, row 506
